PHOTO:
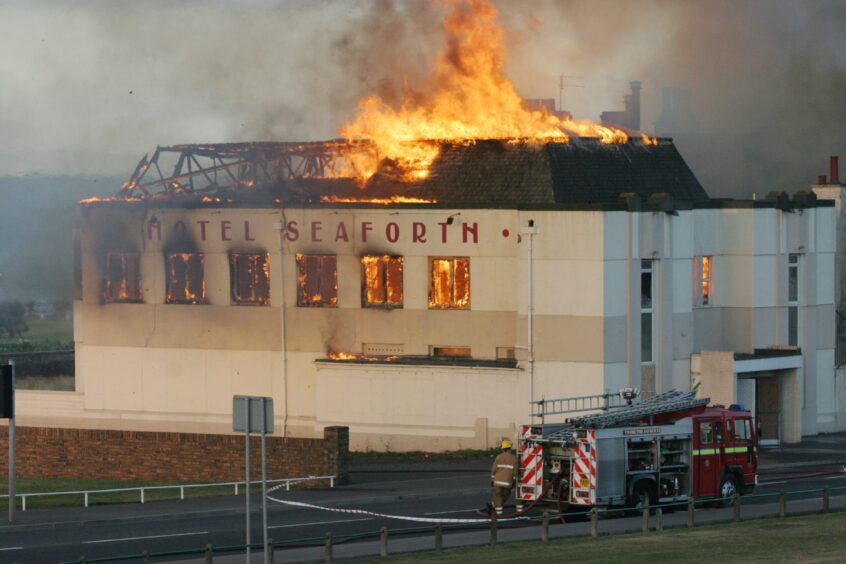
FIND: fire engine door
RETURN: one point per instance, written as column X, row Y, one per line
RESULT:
column 739, row 449
column 706, row 457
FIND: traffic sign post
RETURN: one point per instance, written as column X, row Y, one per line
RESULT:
column 254, row 414
column 7, row 411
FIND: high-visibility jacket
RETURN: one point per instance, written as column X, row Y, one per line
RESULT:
column 504, row 469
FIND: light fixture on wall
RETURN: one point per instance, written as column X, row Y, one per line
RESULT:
column 455, row 218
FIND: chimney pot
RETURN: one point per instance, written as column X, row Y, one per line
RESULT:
column 821, row 180
column 834, row 173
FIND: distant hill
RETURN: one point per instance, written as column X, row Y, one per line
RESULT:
column 36, row 243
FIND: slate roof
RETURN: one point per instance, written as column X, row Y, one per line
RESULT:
column 510, row 174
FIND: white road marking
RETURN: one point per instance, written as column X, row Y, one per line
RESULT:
column 834, row 478
column 318, row 523
column 12, row 548
column 772, row 483
column 144, row 538
column 448, row 512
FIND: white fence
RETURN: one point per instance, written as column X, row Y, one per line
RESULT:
column 180, row 487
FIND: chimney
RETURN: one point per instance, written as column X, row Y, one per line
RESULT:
column 834, row 174
column 821, row 180
column 634, row 109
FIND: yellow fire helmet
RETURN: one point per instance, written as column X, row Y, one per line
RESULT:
column 506, row 444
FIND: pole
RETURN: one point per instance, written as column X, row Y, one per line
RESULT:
column 12, row 450
column 267, row 556
column 531, row 310
column 247, row 471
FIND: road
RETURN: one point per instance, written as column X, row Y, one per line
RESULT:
column 181, row 525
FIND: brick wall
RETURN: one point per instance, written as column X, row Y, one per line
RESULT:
column 171, row 457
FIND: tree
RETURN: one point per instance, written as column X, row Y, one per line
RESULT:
column 12, row 319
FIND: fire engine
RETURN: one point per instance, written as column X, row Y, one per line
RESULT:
column 627, row 451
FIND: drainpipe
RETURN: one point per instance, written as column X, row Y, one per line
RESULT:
column 280, row 226
column 531, row 231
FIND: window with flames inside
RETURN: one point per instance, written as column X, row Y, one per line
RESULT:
column 317, row 280
column 449, row 283
column 185, row 281
column 123, row 278
column 381, row 281
column 250, row 278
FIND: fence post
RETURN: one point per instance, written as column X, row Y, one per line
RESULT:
column 331, row 481
column 142, row 495
column 493, row 531
column 439, row 537
column 594, row 523
column 736, row 518
column 545, row 527
column 23, row 502
column 328, row 548
column 690, row 509
column 659, row 514
column 383, row 542
column 86, row 499
column 236, row 488
column 825, row 498
column 782, row 504
column 145, row 557
column 209, row 554
column 268, row 551
column 181, row 492
column 644, row 526
column 81, row 560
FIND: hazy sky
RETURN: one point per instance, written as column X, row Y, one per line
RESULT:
column 88, row 87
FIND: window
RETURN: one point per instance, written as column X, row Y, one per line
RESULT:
column 185, row 282
column 703, row 288
column 381, row 281
column 317, row 280
column 706, row 433
column 250, row 278
column 742, row 430
column 463, row 352
column 646, row 329
column 793, row 300
column 123, row 281
column 449, row 283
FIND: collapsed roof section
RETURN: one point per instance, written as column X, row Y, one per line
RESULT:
column 480, row 173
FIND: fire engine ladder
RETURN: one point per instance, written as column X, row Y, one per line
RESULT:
column 668, row 402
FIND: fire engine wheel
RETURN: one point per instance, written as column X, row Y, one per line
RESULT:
column 728, row 489
column 641, row 495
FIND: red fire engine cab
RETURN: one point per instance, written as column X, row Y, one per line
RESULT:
column 628, row 452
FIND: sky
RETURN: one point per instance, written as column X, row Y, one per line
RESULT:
column 89, row 87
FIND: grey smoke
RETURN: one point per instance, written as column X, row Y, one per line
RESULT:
column 88, row 87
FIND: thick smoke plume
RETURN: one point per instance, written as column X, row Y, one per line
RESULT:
column 90, row 86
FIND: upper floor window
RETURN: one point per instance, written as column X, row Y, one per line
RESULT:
column 646, row 325
column 250, row 278
column 449, row 286
column 122, row 282
column 793, row 300
column 703, row 287
column 317, row 280
column 381, row 281
column 185, row 279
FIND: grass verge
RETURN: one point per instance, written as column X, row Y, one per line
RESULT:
column 815, row 538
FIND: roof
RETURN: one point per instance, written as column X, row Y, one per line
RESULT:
column 502, row 173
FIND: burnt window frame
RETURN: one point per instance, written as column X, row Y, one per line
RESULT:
column 253, row 275
column 452, row 305
column 107, row 294
column 383, row 261
column 169, row 295
column 302, row 260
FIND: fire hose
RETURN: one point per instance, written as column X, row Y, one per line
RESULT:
column 521, row 512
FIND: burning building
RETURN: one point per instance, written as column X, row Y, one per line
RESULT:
column 446, row 262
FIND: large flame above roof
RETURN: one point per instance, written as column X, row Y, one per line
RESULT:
column 468, row 98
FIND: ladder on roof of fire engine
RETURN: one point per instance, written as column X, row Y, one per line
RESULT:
column 668, row 402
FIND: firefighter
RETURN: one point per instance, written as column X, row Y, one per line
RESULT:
column 502, row 475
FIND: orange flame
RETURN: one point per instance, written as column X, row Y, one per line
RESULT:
column 470, row 99
column 381, row 201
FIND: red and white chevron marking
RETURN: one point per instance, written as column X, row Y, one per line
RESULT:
column 584, row 471
column 531, row 467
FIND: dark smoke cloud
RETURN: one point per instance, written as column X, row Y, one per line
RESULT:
column 90, row 86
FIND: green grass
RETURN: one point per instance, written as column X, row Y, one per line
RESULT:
column 817, row 538
column 29, row 485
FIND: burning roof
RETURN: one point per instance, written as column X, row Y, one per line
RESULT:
column 479, row 173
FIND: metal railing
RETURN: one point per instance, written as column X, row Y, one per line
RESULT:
column 181, row 487
column 652, row 519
